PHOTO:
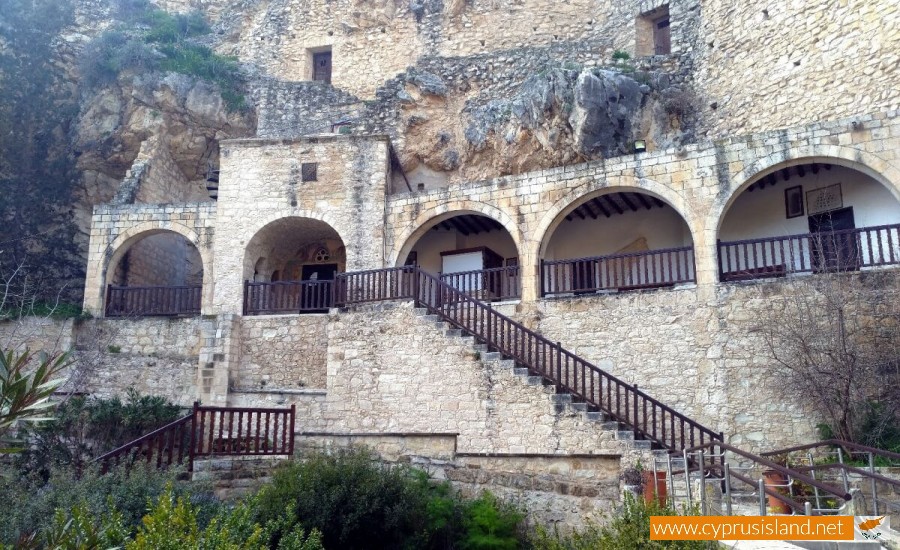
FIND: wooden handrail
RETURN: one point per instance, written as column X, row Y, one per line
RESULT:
column 250, row 431
column 647, row 417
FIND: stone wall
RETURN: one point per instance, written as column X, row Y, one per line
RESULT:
column 261, row 183
column 391, row 370
column 761, row 65
column 37, row 334
column 155, row 356
column 282, row 352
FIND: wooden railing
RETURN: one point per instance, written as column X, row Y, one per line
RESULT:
column 845, row 250
column 287, row 297
column 210, row 431
column 647, row 417
column 635, row 270
column 501, row 283
column 128, row 301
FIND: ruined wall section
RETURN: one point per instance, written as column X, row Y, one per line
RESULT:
column 763, row 65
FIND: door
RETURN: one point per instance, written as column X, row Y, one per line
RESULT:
column 316, row 297
column 833, row 244
column 322, row 67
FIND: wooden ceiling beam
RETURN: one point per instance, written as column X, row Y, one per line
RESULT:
column 643, row 200
column 458, row 226
column 612, row 204
column 587, row 208
column 627, row 201
column 596, row 202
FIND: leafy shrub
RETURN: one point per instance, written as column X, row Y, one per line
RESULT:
column 30, row 503
column 355, row 502
column 630, row 528
column 84, row 428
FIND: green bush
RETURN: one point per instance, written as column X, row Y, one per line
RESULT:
column 628, row 529
column 32, row 502
column 356, row 502
column 85, row 428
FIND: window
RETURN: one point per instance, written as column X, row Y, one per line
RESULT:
column 309, row 171
column 322, row 66
column 653, row 33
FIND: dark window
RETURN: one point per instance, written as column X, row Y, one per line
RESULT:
column 308, row 171
column 662, row 38
column 322, row 66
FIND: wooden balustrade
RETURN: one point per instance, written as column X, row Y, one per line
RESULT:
column 501, row 283
column 631, row 271
column 844, row 250
column 287, row 297
column 138, row 301
column 210, row 431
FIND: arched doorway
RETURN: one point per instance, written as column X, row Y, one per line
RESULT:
column 616, row 241
column 156, row 273
column 290, row 265
column 469, row 251
column 808, row 217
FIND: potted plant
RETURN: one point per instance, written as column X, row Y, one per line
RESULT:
column 632, row 480
column 776, row 481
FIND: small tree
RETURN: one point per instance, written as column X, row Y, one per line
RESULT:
column 835, row 341
column 27, row 380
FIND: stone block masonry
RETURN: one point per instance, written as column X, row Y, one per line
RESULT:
column 282, row 352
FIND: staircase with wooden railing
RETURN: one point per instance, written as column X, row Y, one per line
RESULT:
column 210, row 432
column 648, row 418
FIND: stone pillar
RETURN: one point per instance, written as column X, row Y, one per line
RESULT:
column 221, row 348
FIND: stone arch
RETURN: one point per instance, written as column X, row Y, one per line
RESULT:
column 427, row 219
column 861, row 161
column 317, row 215
column 564, row 206
column 133, row 234
column 316, row 223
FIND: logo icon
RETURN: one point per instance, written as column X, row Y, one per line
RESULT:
column 867, row 527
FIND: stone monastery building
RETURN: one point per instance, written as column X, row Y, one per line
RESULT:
column 634, row 182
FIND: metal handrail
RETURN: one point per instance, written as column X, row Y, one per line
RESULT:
column 647, row 417
column 835, row 443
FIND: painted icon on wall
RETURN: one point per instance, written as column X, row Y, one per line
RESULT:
column 793, row 201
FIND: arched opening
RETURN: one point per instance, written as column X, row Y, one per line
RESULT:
column 615, row 242
column 290, row 265
column 808, row 217
column 471, row 252
column 158, row 273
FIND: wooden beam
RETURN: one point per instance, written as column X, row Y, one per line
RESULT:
column 786, row 174
column 827, row 166
column 589, row 210
column 659, row 202
column 596, row 202
column 459, row 227
column 628, row 203
column 577, row 212
column 773, row 179
column 612, row 204
column 815, row 168
column 801, row 171
column 644, row 202
column 481, row 223
column 466, row 221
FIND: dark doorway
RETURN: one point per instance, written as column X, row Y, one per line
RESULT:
column 834, row 245
column 662, row 36
column 319, row 272
column 316, row 297
column 322, row 67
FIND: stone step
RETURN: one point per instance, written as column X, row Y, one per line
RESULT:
column 519, row 371
column 535, row 380
column 492, row 356
column 579, row 407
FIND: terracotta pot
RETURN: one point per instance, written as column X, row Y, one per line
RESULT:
column 654, row 488
column 776, row 481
